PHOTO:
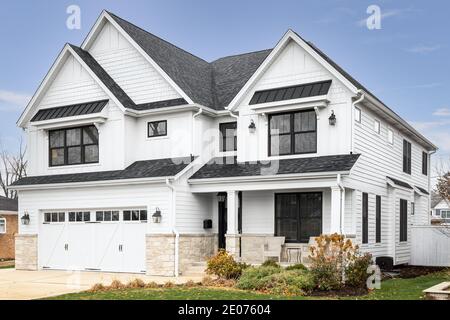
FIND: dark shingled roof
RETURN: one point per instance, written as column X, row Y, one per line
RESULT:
column 422, row 190
column 7, row 204
column 70, row 111
column 139, row 169
column 212, row 84
column 229, row 167
column 400, row 183
column 161, row 104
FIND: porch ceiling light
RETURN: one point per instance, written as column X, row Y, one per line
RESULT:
column 25, row 219
column 252, row 126
column 332, row 118
column 156, row 217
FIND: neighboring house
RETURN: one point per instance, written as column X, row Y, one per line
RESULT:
column 146, row 158
column 440, row 210
column 8, row 227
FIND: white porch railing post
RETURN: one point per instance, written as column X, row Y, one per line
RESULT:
column 232, row 236
column 335, row 219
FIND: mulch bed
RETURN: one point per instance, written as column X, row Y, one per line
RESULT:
column 407, row 272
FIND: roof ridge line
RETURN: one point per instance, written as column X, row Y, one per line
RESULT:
column 241, row 54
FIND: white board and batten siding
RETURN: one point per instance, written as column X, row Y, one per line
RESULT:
column 430, row 246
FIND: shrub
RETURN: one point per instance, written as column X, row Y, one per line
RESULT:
column 97, row 287
column 276, row 280
column 152, row 285
column 356, row 272
column 329, row 259
column 297, row 266
column 224, row 266
column 136, row 283
column 270, row 263
column 168, row 284
column 116, row 284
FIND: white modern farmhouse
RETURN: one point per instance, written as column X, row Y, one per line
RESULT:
column 146, row 158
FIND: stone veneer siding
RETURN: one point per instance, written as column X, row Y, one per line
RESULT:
column 252, row 248
column 7, row 246
column 160, row 254
column 195, row 248
column 26, row 252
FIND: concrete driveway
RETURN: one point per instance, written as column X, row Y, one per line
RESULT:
column 25, row 285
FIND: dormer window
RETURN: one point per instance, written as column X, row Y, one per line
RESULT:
column 228, row 136
column 157, row 129
column 73, row 146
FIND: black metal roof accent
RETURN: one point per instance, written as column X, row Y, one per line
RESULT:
column 7, row 204
column 400, row 183
column 137, row 170
column 229, row 167
column 79, row 109
column 292, row 92
column 161, row 104
column 424, row 191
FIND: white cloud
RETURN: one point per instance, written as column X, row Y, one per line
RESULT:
column 424, row 49
column 14, row 98
column 442, row 112
column 436, row 131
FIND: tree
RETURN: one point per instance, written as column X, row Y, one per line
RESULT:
column 12, row 168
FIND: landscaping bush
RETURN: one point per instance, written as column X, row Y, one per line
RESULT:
column 276, row 280
column 356, row 271
column 331, row 258
column 297, row 266
column 224, row 266
column 136, row 283
column 270, row 263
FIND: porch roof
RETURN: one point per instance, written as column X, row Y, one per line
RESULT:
column 228, row 167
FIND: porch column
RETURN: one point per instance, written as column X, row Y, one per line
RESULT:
column 336, row 209
column 232, row 236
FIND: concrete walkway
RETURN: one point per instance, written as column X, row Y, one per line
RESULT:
column 25, row 285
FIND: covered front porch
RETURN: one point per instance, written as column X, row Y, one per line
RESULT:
column 249, row 215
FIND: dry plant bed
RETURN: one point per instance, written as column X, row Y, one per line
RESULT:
column 344, row 292
column 407, row 272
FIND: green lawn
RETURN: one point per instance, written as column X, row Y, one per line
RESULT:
column 396, row 289
column 6, row 267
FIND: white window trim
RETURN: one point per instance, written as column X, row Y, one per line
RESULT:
column 4, row 222
column 393, row 137
column 360, row 115
column 375, row 121
column 447, row 213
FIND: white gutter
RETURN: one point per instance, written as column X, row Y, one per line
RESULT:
column 174, row 228
column 341, row 204
column 232, row 114
column 352, row 139
column 199, row 112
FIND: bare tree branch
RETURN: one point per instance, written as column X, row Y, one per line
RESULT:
column 12, row 168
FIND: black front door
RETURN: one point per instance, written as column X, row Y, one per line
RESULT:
column 298, row 216
column 222, row 220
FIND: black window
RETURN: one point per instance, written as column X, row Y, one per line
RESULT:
column 378, row 219
column 403, row 220
column 73, row 146
column 293, row 133
column 135, row 215
column 107, row 215
column 79, row 216
column 365, row 218
column 298, row 216
column 406, row 157
column 425, row 163
column 228, row 136
column 157, row 129
column 54, row 217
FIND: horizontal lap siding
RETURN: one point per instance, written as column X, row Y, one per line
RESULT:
column 191, row 210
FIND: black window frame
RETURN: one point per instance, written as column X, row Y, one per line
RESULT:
column 291, row 133
column 403, row 232
column 365, row 218
column 298, row 218
column 407, row 153
column 224, row 127
column 424, row 163
column 159, row 134
column 378, row 219
column 66, row 148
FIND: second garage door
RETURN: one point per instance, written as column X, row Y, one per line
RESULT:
column 101, row 240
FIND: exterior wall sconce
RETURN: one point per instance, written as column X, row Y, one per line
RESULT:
column 25, row 219
column 332, row 118
column 252, row 126
column 221, row 196
column 156, row 217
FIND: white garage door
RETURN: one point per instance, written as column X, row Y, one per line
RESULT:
column 101, row 240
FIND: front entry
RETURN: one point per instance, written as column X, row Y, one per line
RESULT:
column 298, row 216
column 222, row 227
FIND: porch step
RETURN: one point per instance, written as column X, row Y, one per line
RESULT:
column 195, row 269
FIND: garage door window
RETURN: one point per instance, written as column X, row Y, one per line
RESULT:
column 135, row 215
column 50, row 217
column 107, row 216
column 79, row 216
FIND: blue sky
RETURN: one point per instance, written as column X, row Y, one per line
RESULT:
column 406, row 63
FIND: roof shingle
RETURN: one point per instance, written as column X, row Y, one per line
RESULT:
column 7, row 204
